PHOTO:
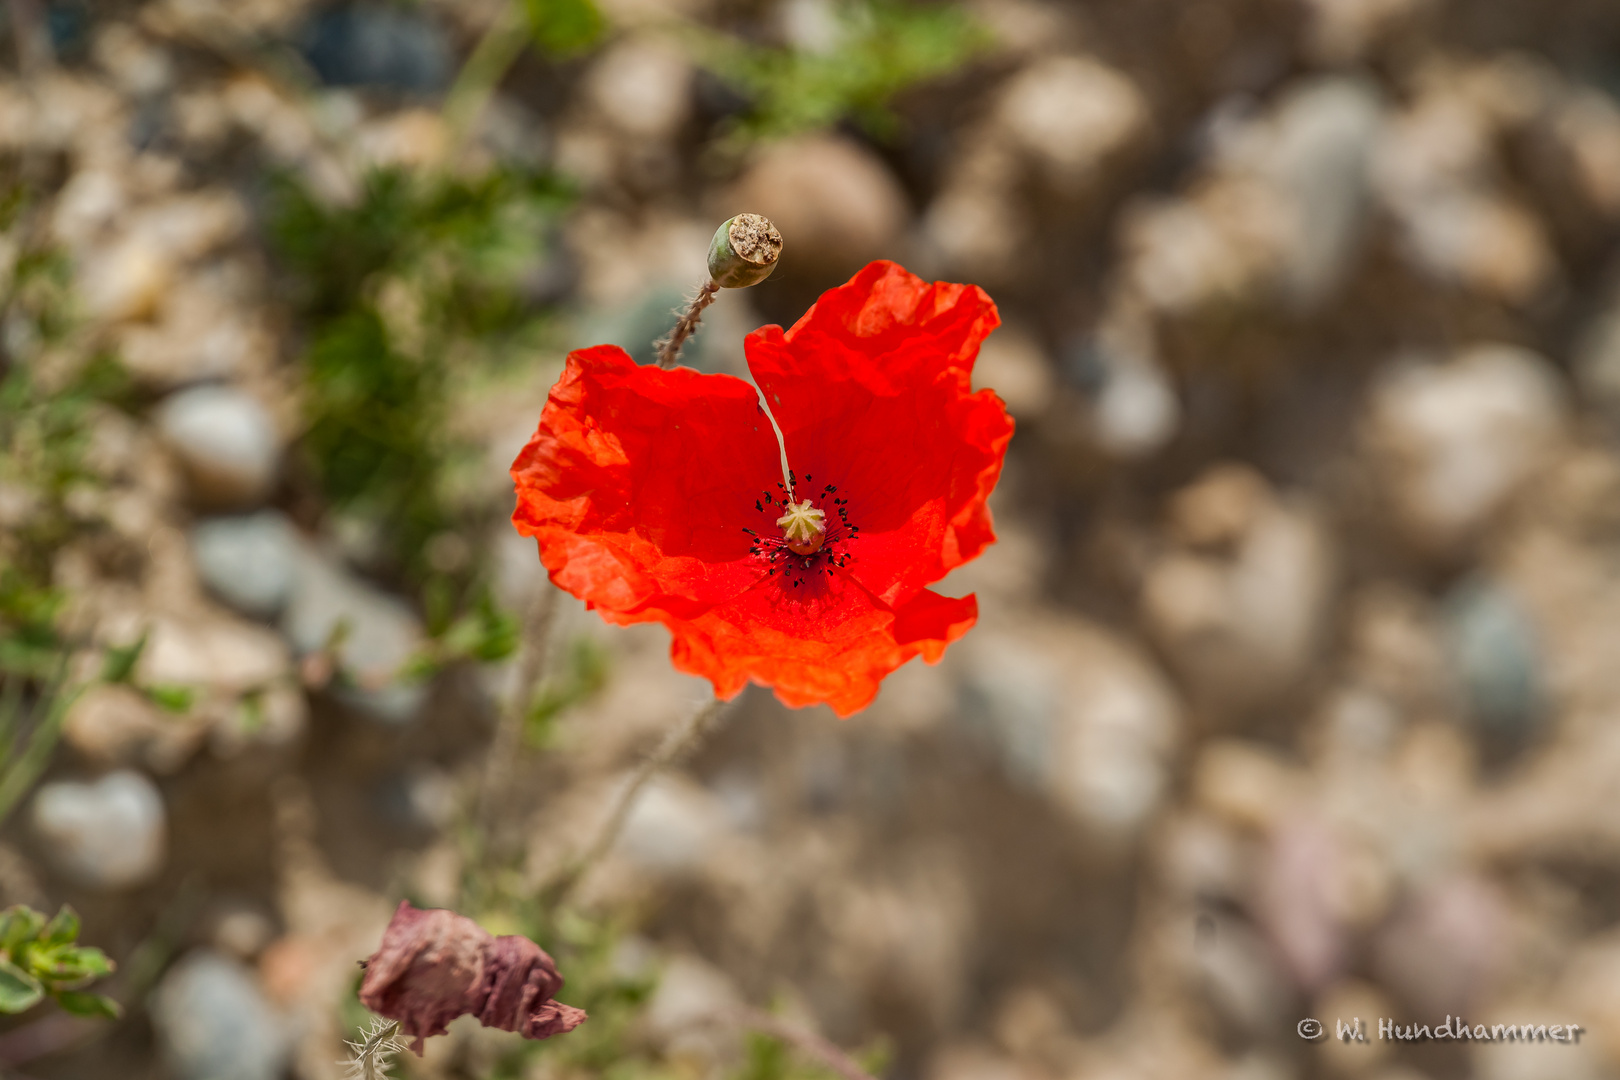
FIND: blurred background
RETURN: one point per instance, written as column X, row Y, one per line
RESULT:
column 1295, row 685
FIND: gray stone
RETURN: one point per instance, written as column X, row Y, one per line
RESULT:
column 1232, row 967
column 689, row 991
column 1441, row 949
column 116, row 724
column 1241, row 608
column 1071, row 116
column 377, row 45
column 376, row 635
column 107, row 834
column 1322, row 140
column 1014, row 365
column 214, row 1022
column 1453, row 442
column 1134, row 410
column 1497, row 659
column 250, row 561
column 225, row 441
column 642, row 86
column 672, row 826
column 1074, row 714
column 1011, row 698
column 1597, row 362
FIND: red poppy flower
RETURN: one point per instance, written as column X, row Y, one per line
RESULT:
column 661, row 496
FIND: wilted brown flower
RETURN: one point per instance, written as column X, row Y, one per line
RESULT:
column 435, row 965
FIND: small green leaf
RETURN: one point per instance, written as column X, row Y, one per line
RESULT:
column 81, row 1003
column 73, row 964
column 175, row 699
column 120, row 662
column 18, row 989
column 564, row 27
column 64, row 928
column 19, row 925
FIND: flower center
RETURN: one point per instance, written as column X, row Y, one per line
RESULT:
column 804, row 527
column 809, row 544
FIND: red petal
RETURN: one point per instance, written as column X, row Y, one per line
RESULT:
column 639, row 482
column 827, row 641
column 871, row 389
column 931, row 621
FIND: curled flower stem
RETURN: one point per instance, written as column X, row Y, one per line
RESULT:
column 676, row 745
column 669, row 348
column 531, row 666
column 800, row 1038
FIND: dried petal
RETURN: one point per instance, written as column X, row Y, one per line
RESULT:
column 436, row 965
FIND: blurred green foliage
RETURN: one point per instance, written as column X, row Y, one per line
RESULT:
column 51, row 387
column 564, row 27
column 44, row 433
column 41, row 959
column 880, row 48
column 408, row 294
column 584, row 673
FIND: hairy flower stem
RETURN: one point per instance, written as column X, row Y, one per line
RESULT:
column 676, row 745
column 534, row 646
column 800, row 1038
column 669, row 348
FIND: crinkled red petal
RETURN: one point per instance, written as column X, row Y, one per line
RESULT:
column 636, row 481
column 872, row 390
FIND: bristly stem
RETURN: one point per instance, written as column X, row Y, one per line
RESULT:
column 669, row 348
column 374, row 1044
column 676, row 745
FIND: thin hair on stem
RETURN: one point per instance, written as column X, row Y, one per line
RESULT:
column 669, row 348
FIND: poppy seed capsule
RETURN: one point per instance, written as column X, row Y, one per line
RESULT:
column 744, row 251
column 804, row 528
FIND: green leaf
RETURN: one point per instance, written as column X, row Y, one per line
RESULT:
column 175, row 699
column 19, row 925
column 82, row 1003
column 564, row 27
column 73, row 964
column 64, row 928
column 119, row 663
column 883, row 47
column 18, row 989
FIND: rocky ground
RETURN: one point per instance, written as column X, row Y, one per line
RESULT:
column 1292, row 693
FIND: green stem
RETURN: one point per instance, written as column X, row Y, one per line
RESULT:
column 20, row 774
column 487, row 65
column 677, row 744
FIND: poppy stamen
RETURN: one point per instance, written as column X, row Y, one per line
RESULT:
column 804, row 526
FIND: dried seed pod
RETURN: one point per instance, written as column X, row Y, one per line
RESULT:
column 744, row 251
